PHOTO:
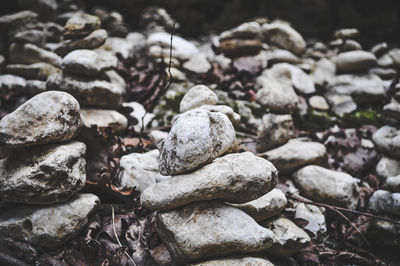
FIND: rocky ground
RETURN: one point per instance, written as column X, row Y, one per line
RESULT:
column 252, row 146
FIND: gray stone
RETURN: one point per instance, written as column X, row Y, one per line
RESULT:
column 284, row 36
column 140, row 114
column 269, row 205
column 318, row 102
column 328, row 186
column 295, row 154
column 313, row 215
column 342, row 104
column 395, row 55
column 386, row 61
column 94, row 40
column 384, row 202
column 277, row 56
column 29, row 53
column 393, row 183
column 210, row 229
column 346, row 33
column 235, row 178
column 248, row 30
column 157, row 137
column 43, row 175
column 289, row 238
column 198, row 63
column 11, row 83
column 388, row 167
column 51, row 116
column 380, row 48
column 37, row 71
column 387, row 140
column 392, row 109
column 197, row 96
column 104, row 119
column 275, row 96
column 275, row 131
column 226, row 110
column 248, row 261
column 34, row 87
column 48, row 226
column 196, row 138
column 350, row 45
column 7, row 20
column 125, row 47
column 354, row 61
column 81, row 25
column 323, row 72
column 383, row 73
column 36, row 37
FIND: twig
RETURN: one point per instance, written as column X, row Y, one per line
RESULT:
column 142, row 130
column 116, row 236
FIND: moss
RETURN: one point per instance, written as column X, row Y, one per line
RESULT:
column 361, row 117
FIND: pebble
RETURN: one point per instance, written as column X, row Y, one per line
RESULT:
column 387, row 167
column 198, row 63
column 318, row 102
column 346, row 33
column 248, row 30
column 354, row 61
column 181, row 48
column 284, row 36
column 81, row 25
column 313, row 215
column 94, row 40
column 226, row 110
column 36, row 37
column 29, row 53
column 197, row 96
column 240, row 47
column 37, row 71
column 104, row 119
column 387, row 140
column 277, row 56
column 384, row 202
column 11, row 82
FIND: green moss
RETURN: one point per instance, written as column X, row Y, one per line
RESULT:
column 358, row 118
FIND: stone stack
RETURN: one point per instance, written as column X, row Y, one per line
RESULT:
column 43, row 172
column 217, row 203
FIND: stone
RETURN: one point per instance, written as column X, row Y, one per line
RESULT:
column 387, row 167
column 295, row 154
column 395, row 55
column 197, row 96
column 51, row 116
column 36, row 37
column 346, row 33
column 235, row 178
column 323, row 72
column 143, row 117
column 269, row 205
column 384, row 233
column 7, row 20
column 384, row 202
column 385, row 61
column 318, row 102
column 34, row 87
column 392, row 109
column 11, row 83
column 313, row 215
column 248, row 261
column 380, row 48
column 50, row 226
column 89, row 92
column 354, row 61
column 248, row 30
column 45, row 8
column 87, row 62
column 104, row 119
column 198, row 63
column 393, row 183
column 127, row 47
column 328, row 186
column 43, row 175
column 196, row 138
column 37, row 71
column 94, row 40
column 53, row 32
column 240, row 47
column 81, row 25
column 289, row 238
column 226, row 110
column 284, row 36
column 387, row 140
column 29, row 53
column 210, row 229
column 350, row 45
column 383, row 73
column 342, row 104
column 277, row 56
column 157, row 137
column 181, row 48
column 275, row 131
column 275, row 96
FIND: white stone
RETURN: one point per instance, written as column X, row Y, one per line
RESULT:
column 104, row 119
column 197, row 96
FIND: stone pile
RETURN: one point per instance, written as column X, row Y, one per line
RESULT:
column 43, row 172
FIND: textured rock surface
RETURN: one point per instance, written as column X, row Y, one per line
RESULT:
column 51, row 116
column 196, row 138
column 328, row 186
column 226, row 110
column 104, row 119
column 198, row 64
column 384, row 202
column 276, row 97
column 353, row 61
column 237, row 178
column 248, row 261
column 388, row 167
column 393, row 183
column 210, row 229
column 43, row 175
column 197, row 96
column 313, row 215
column 387, row 140
column 48, row 226
column 81, row 25
column 92, row 41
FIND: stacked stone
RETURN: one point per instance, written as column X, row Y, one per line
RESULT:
column 43, row 172
column 217, row 204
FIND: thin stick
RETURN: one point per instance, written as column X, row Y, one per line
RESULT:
column 116, row 236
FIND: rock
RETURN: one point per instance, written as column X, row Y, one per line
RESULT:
column 387, row 140
column 248, row 261
column 7, row 20
column 229, row 231
column 275, row 96
column 313, row 215
column 43, row 175
column 342, row 104
column 277, row 56
column 380, row 48
column 140, row 114
column 125, row 47
column 323, row 72
column 96, row 93
column 226, row 110
column 318, row 102
column 45, row 8
column 385, row 233
column 181, row 48
column 198, row 63
column 240, row 47
column 29, row 53
column 34, row 87
column 94, row 40
column 284, row 36
column 384, row 202
column 248, row 30
column 81, row 25
column 51, row 116
column 2, row 63
column 328, row 186
column 295, row 154
column 11, row 83
column 350, row 45
column 383, row 73
column 392, row 109
column 36, row 37
column 104, row 119
column 385, row 61
column 235, row 178
column 157, row 137
column 50, row 226
column 288, row 237
column 276, row 130
column 393, row 183
column 395, row 55
column 87, row 62
column 37, row 71
column 158, row 19
column 197, row 96
column 346, row 33
column 269, row 205
column 354, row 61
column 388, row 167
column 53, row 32
column 196, row 138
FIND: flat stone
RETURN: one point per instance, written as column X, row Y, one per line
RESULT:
column 11, row 82
column 34, row 87
column 380, row 48
column 318, row 102
column 384, row 202
column 197, row 96
column 328, row 186
column 284, row 36
column 388, row 167
column 36, row 37
column 94, row 40
column 51, row 116
column 240, row 47
column 277, row 56
column 395, row 55
column 81, row 25
column 87, row 62
column 295, row 154
column 248, row 261
column 196, row 138
column 235, row 178
column 342, row 104
column 383, row 73
column 181, row 48
column 313, row 215
column 37, row 71
column 289, row 238
column 210, row 229
column 198, row 64
column 248, row 30
column 50, row 226
column 89, row 92
column 7, row 20
column 275, row 130
column 126, row 47
column 387, row 140
column 346, row 33
column 354, row 61
column 269, row 205
column 393, row 183
column 104, row 119
column 350, row 45
column 29, row 53
column 43, row 175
